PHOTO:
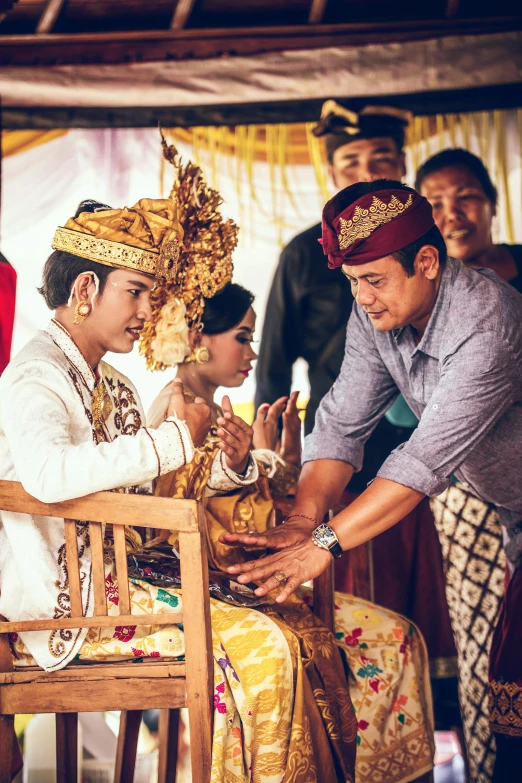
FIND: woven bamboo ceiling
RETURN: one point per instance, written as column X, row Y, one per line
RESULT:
column 92, row 31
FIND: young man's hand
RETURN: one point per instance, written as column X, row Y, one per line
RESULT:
column 195, row 414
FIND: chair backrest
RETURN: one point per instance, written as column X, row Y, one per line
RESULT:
column 119, row 509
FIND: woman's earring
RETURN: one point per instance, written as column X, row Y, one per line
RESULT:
column 199, row 355
column 81, row 311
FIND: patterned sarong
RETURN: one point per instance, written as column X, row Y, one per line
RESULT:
column 474, row 564
column 256, row 665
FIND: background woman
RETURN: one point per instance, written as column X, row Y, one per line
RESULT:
column 464, row 202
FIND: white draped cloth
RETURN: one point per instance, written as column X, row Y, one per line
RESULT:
column 48, row 443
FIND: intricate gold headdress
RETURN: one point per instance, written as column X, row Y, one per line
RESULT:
column 204, row 266
column 146, row 237
column 365, row 221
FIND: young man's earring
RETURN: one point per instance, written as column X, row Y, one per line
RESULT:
column 81, row 311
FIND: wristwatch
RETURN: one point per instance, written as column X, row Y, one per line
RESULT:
column 325, row 538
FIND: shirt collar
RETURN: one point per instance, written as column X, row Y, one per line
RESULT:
column 432, row 337
column 65, row 342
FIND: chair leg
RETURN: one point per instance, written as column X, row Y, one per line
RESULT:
column 7, row 738
column 130, row 721
column 66, row 747
column 168, row 738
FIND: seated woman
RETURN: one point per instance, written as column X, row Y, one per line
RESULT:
column 389, row 679
column 464, row 202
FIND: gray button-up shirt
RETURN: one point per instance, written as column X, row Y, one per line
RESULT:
column 464, row 382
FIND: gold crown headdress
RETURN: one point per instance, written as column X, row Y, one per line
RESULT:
column 204, row 266
column 146, row 237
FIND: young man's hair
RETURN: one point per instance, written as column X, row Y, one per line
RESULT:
column 406, row 255
column 61, row 268
column 458, row 158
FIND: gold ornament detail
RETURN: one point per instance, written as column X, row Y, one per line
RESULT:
column 200, row 355
column 204, row 264
column 81, row 311
column 116, row 254
column 101, row 406
column 365, row 221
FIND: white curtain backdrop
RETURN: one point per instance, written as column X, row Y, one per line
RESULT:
column 43, row 186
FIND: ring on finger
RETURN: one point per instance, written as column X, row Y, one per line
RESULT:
column 280, row 576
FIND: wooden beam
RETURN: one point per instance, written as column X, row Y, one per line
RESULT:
column 5, row 7
column 317, row 10
column 181, row 14
column 143, row 46
column 115, row 507
column 19, row 626
column 452, row 8
column 49, row 16
column 485, row 98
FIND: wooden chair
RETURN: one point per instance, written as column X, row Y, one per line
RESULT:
column 117, row 686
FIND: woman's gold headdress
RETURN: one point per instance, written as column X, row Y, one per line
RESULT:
column 146, row 237
column 204, row 266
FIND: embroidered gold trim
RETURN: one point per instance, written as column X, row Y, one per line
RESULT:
column 163, row 263
column 365, row 221
column 505, row 708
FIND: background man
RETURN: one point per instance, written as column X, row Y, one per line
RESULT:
column 307, row 312
column 448, row 338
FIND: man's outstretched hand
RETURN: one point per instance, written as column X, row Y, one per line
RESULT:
column 292, row 532
column 287, row 569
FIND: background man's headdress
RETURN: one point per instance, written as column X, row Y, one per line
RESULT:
column 204, row 266
column 145, row 238
column 339, row 125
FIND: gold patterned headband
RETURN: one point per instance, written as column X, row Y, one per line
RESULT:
column 364, row 221
column 105, row 251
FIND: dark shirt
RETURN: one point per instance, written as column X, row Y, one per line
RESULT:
column 516, row 252
column 306, row 316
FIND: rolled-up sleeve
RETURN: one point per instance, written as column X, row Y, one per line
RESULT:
column 356, row 402
column 478, row 384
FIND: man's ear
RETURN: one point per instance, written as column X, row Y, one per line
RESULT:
column 428, row 262
column 84, row 287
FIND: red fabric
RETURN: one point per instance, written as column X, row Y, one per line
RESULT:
column 387, row 238
column 7, row 310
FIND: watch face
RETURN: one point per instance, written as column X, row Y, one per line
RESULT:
column 325, row 535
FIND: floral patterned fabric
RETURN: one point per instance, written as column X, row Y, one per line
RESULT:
column 255, row 677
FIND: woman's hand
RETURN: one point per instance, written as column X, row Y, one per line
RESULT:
column 236, row 438
column 294, row 531
column 288, row 569
column 291, row 437
column 266, row 424
column 195, row 414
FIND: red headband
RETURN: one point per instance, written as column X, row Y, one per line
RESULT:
column 374, row 226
